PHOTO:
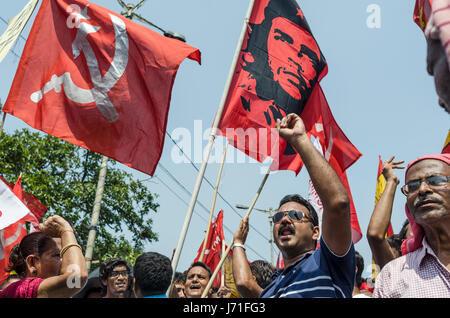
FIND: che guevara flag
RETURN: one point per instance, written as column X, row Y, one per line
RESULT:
column 13, row 234
column 213, row 249
column 278, row 72
column 98, row 80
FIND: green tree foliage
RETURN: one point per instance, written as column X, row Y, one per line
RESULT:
column 64, row 178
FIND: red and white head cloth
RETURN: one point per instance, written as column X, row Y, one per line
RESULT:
column 415, row 241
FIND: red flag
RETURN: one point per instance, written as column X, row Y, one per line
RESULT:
column 13, row 234
column 280, row 261
column 422, row 13
column 315, row 201
column 279, row 70
column 98, row 80
column 213, row 249
column 356, row 229
column 34, row 205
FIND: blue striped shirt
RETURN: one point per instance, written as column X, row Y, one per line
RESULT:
column 317, row 274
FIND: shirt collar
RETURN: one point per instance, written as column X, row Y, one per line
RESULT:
column 286, row 269
column 426, row 249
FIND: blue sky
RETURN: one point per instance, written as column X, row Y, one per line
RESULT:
column 377, row 88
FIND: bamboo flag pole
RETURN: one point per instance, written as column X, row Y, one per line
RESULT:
column 212, row 137
column 202, row 254
column 96, row 212
column 2, row 123
column 224, row 255
column 222, row 281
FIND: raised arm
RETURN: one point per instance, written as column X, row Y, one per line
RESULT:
column 73, row 268
column 336, row 229
column 381, row 215
column 243, row 278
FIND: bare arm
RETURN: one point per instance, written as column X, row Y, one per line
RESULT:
column 381, row 215
column 73, row 268
column 336, row 228
column 243, row 278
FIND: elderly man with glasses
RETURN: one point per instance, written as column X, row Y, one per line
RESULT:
column 312, row 271
column 424, row 269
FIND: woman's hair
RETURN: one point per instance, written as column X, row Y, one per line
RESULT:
column 35, row 243
column 179, row 278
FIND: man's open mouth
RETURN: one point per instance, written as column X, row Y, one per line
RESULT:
column 285, row 232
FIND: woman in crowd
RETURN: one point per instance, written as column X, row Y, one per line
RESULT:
column 46, row 269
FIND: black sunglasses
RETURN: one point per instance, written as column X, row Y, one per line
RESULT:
column 294, row 215
column 433, row 181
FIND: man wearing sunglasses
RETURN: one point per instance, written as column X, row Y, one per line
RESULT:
column 424, row 269
column 327, row 271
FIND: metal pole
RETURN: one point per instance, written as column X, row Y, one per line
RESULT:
column 96, row 212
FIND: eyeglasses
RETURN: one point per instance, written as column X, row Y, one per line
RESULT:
column 115, row 274
column 433, row 181
column 293, row 215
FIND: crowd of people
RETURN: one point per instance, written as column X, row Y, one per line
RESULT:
column 318, row 262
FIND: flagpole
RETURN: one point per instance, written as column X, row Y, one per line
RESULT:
column 3, row 119
column 222, row 281
column 96, row 212
column 224, row 255
column 212, row 137
column 202, row 254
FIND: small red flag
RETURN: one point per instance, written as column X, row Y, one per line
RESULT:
column 13, row 234
column 35, row 206
column 280, row 261
column 422, row 13
column 278, row 72
column 213, row 249
column 98, row 80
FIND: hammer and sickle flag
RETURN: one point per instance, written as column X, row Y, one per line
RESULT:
column 98, row 80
